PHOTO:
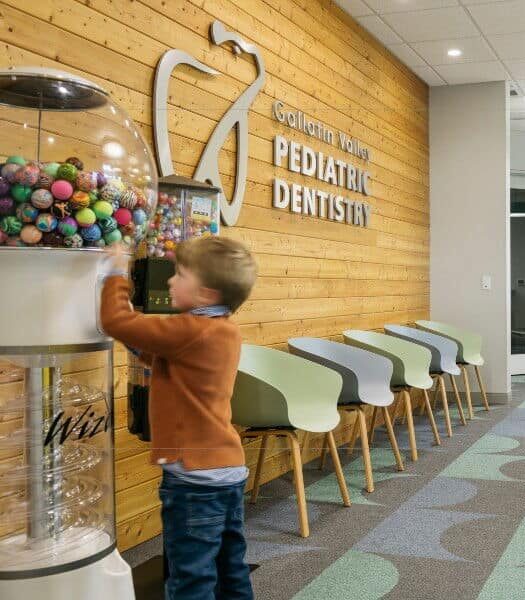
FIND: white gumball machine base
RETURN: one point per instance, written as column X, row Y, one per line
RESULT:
column 107, row 579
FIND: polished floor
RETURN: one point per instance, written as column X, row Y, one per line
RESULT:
column 451, row 525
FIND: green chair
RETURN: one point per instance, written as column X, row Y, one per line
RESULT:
column 276, row 394
column 411, row 370
column 469, row 353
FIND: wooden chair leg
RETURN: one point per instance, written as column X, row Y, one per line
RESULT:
column 392, row 438
column 372, row 425
column 258, row 470
column 338, row 469
column 444, row 399
column 458, row 400
column 353, row 437
column 467, row 391
column 369, row 476
column 299, row 483
column 410, row 422
column 304, row 444
column 482, row 388
column 324, row 449
column 431, row 418
column 436, row 390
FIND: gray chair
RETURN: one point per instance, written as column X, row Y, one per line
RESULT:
column 366, row 380
column 411, row 370
column 444, row 352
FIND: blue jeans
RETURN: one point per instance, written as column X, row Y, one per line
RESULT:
column 204, row 541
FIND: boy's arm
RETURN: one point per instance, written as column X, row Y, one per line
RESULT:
column 151, row 335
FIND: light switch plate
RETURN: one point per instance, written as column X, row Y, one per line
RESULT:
column 486, row 282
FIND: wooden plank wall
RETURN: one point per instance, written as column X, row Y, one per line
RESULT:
column 315, row 277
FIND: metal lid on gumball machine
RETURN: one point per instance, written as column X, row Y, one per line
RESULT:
column 179, row 181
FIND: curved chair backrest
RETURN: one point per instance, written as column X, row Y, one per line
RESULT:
column 444, row 350
column 469, row 343
column 366, row 376
column 411, row 362
column 277, row 389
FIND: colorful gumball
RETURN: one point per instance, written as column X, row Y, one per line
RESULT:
column 129, row 199
column 94, row 196
column 79, row 200
column 15, row 242
column 73, row 160
column 28, row 175
column 16, row 160
column 108, row 224
column 46, row 222
column 100, row 243
column 67, row 226
column 139, row 216
column 4, row 186
column 51, row 169
column 42, row 199
column 123, row 216
column 27, row 213
column 45, row 181
column 30, row 235
column 9, row 171
column 85, row 217
column 21, row 193
column 91, row 234
column 128, row 229
column 86, row 181
column 73, row 241
column 53, row 239
column 62, row 190
column 3, row 237
column 102, row 209
column 112, row 237
column 11, row 225
column 67, row 171
column 214, row 228
column 101, row 179
column 7, row 206
column 110, row 193
column 61, row 210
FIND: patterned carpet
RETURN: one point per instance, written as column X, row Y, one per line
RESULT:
column 451, row 525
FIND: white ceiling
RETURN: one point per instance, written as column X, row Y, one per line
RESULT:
column 490, row 34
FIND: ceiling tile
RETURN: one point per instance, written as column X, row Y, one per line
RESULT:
column 473, row 49
column 356, row 8
column 471, row 2
column 390, row 6
column 472, row 72
column 380, row 30
column 497, row 18
column 510, row 46
column 434, row 24
column 516, row 68
column 407, row 55
column 429, row 76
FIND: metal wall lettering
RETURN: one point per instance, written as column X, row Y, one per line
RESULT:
column 235, row 117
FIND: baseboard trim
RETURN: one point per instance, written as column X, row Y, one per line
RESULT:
column 144, row 551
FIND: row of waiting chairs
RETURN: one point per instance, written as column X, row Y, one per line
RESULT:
column 278, row 393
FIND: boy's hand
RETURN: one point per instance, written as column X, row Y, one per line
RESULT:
column 119, row 256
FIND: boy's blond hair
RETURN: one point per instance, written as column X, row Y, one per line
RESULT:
column 221, row 264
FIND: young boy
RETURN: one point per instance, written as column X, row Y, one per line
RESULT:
column 194, row 358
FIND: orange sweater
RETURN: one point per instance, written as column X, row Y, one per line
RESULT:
column 194, row 362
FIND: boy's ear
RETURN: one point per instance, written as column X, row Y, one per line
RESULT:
column 210, row 295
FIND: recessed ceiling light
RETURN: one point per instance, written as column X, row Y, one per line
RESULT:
column 454, row 52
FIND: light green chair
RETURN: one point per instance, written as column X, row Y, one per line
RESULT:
column 469, row 353
column 276, row 394
column 411, row 370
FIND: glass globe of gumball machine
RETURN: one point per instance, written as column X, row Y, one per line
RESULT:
column 77, row 176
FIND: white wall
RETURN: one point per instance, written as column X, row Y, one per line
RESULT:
column 469, row 206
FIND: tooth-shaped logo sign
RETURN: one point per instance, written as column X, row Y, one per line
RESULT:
column 235, row 117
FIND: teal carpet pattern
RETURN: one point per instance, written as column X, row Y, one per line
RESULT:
column 452, row 525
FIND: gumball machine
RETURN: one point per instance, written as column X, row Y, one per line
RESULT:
column 76, row 176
